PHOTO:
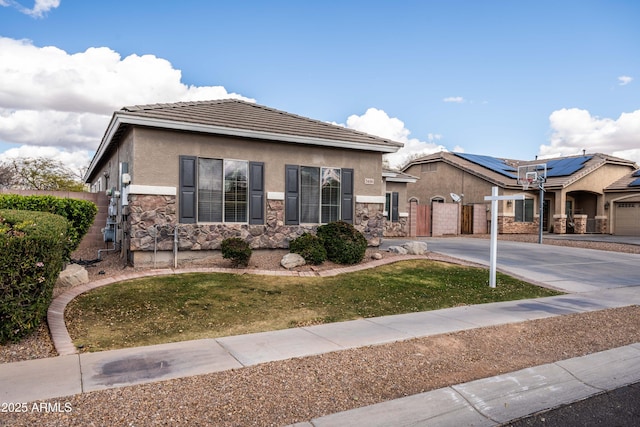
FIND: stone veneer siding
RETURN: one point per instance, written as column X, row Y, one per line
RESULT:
column 508, row 225
column 154, row 217
column 397, row 229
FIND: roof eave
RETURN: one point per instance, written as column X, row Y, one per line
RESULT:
column 120, row 119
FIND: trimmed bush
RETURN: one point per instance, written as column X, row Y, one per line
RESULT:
column 79, row 213
column 344, row 244
column 32, row 254
column 237, row 250
column 310, row 248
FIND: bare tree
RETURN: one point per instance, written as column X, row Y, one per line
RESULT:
column 44, row 174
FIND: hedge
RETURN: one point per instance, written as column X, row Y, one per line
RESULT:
column 79, row 213
column 32, row 254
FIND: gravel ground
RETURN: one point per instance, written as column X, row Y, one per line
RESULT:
column 280, row 393
column 299, row 389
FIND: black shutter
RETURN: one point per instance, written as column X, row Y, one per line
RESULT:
column 256, row 193
column 346, row 189
column 188, row 187
column 291, row 197
column 394, row 206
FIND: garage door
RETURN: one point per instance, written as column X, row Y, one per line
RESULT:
column 627, row 218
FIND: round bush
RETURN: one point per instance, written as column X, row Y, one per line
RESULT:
column 310, row 248
column 237, row 250
column 343, row 243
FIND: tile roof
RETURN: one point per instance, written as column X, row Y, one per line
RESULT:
column 561, row 171
column 630, row 182
column 238, row 118
column 237, row 114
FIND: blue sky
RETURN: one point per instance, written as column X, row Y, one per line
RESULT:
column 504, row 78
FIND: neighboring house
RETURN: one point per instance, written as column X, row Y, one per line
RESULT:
column 622, row 202
column 576, row 191
column 396, row 208
column 190, row 174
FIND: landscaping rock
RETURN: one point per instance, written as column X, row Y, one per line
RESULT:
column 376, row 255
column 292, row 260
column 415, row 248
column 73, row 275
column 397, row 250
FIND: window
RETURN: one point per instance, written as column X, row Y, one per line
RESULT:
column 309, row 195
column 317, row 195
column 391, row 206
column 220, row 198
column 330, row 206
column 217, row 190
column 524, row 210
column 428, row 167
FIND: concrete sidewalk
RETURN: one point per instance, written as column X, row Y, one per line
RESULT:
column 488, row 401
column 497, row 400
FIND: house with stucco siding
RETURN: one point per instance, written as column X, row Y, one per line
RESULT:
column 588, row 193
column 182, row 177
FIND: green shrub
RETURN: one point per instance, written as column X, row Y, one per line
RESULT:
column 237, row 250
column 32, row 254
column 79, row 213
column 310, row 248
column 344, row 244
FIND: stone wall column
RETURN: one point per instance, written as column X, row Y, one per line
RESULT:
column 580, row 223
column 413, row 218
column 560, row 224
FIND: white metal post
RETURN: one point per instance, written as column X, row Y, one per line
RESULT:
column 494, row 237
column 494, row 230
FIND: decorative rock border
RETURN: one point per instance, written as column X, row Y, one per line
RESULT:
column 55, row 315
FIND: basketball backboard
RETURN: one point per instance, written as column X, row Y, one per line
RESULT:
column 535, row 174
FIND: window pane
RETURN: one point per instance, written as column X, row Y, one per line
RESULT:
column 524, row 210
column 330, row 195
column 528, row 210
column 209, row 190
column 309, row 195
column 235, row 190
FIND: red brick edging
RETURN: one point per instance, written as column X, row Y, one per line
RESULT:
column 55, row 315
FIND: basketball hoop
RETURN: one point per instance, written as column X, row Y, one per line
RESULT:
column 530, row 174
column 527, row 175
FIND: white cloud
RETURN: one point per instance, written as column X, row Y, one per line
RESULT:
column 455, row 99
column 377, row 122
column 574, row 130
column 624, row 80
column 40, row 7
column 52, row 98
column 76, row 160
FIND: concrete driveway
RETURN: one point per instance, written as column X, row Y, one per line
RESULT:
column 565, row 268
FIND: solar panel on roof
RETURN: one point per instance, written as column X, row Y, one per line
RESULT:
column 566, row 167
column 635, row 183
column 491, row 163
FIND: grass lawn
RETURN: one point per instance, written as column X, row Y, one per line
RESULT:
column 192, row 306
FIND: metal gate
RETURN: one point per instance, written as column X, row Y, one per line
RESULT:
column 423, row 220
